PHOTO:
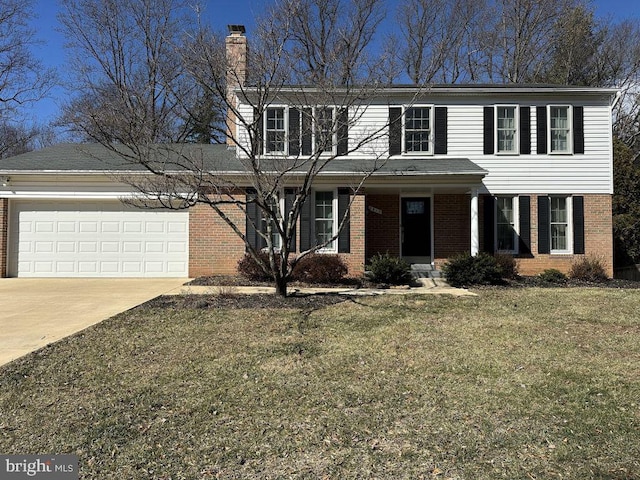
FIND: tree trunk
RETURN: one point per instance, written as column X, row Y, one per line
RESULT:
column 281, row 286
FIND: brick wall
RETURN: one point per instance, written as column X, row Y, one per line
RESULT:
column 4, row 235
column 451, row 225
column 383, row 224
column 598, row 238
column 215, row 249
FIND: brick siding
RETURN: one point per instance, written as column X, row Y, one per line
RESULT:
column 215, row 249
column 451, row 225
column 383, row 224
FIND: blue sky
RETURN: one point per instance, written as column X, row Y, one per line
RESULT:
column 220, row 13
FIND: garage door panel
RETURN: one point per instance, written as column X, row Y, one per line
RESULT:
column 107, row 238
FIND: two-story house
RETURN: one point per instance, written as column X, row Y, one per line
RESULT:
column 522, row 170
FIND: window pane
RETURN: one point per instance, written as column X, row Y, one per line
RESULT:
column 506, row 233
column 558, row 209
column 559, row 237
column 324, row 217
column 324, row 129
column 506, row 239
column 275, row 131
column 506, row 128
column 559, row 128
column 417, row 129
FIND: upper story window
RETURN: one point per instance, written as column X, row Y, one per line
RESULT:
column 559, row 129
column 417, row 130
column 275, row 130
column 304, row 131
column 324, row 131
column 506, row 129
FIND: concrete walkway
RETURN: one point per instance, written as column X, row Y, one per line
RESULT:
column 36, row 312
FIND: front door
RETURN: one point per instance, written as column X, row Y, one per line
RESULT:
column 416, row 227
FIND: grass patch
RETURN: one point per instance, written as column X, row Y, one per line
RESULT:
column 525, row 383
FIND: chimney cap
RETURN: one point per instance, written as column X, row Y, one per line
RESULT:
column 236, row 29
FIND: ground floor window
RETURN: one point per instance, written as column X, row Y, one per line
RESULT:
column 325, row 219
column 506, row 224
column 559, row 224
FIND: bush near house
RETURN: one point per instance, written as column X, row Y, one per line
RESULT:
column 251, row 270
column 508, row 265
column 465, row 269
column 552, row 275
column 320, row 268
column 385, row 268
column 588, row 269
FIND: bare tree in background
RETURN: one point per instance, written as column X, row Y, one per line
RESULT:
column 23, row 79
column 441, row 39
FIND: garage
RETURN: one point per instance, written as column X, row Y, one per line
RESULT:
column 90, row 238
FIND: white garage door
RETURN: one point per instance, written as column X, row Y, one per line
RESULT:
column 96, row 239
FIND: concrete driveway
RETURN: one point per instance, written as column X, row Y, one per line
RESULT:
column 36, row 312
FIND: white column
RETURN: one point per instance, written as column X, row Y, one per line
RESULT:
column 475, row 230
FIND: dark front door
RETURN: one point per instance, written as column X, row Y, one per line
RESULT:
column 416, row 227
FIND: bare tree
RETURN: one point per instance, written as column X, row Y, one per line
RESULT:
column 267, row 182
column 440, row 39
column 126, row 69
column 22, row 77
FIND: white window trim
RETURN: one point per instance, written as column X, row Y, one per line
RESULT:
column 516, row 139
column 286, row 131
column 569, row 249
column 516, row 224
column 569, row 150
column 432, row 110
column 333, row 246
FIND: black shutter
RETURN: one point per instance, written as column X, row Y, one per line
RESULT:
column 395, row 131
column 440, row 147
column 343, row 131
column 307, row 117
column 289, row 198
column 524, row 206
column 258, row 147
column 525, row 130
column 578, row 225
column 544, row 227
column 578, row 129
column 344, row 238
column 252, row 219
column 489, row 223
column 488, row 130
column 294, row 132
column 541, row 129
column 305, row 223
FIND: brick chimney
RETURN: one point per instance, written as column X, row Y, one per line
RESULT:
column 236, row 52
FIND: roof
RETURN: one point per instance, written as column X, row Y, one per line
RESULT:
column 96, row 159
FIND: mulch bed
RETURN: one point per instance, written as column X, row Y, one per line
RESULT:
column 253, row 301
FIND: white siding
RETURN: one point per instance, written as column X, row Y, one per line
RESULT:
column 591, row 172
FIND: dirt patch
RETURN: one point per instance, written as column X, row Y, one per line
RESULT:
column 254, row 301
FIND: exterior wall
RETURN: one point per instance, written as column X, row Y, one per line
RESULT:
column 598, row 239
column 383, row 228
column 4, row 236
column 215, row 249
column 451, row 226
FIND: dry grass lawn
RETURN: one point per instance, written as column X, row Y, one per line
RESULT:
column 514, row 384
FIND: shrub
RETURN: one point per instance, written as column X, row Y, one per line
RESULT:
column 320, row 268
column 465, row 269
column 552, row 275
column 385, row 268
column 508, row 265
column 249, row 268
column 588, row 269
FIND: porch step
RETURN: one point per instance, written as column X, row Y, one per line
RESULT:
column 424, row 270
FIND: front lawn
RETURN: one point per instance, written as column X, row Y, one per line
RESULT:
column 515, row 383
